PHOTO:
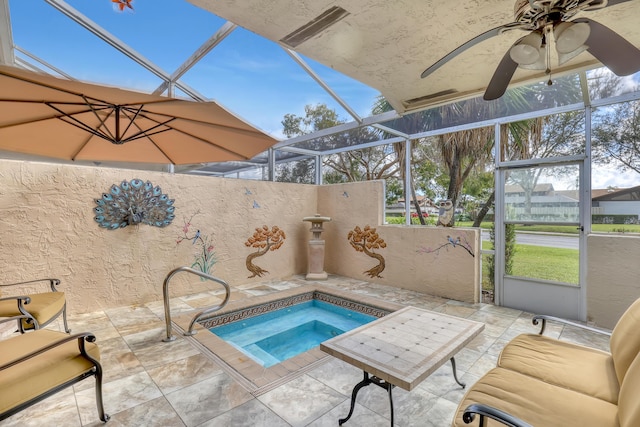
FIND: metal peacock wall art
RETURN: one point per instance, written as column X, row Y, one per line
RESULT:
column 133, row 203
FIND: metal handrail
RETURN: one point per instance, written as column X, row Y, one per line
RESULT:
column 165, row 293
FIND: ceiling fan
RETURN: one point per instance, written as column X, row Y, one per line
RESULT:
column 552, row 19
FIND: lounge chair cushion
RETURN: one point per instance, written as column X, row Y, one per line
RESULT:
column 625, row 340
column 628, row 401
column 33, row 377
column 579, row 368
column 43, row 307
column 536, row 402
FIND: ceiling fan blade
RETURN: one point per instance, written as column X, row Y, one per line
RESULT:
column 610, row 48
column 501, row 78
column 474, row 41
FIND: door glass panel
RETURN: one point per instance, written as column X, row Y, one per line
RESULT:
column 542, row 213
column 615, row 168
column 547, row 194
column 546, row 256
column 557, row 135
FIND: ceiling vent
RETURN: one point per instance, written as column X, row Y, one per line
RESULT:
column 412, row 104
column 315, row 26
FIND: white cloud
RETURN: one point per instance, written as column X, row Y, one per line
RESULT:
column 609, row 176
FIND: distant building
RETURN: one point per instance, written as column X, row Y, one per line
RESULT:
column 624, row 202
column 426, row 205
column 547, row 203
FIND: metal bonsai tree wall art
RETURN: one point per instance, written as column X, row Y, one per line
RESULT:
column 365, row 240
column 264, row 240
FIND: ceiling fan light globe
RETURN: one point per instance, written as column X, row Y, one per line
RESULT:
column 571, row 36
column 524, row 54
column 527, row 50
column 540, row 64
column 565, row 57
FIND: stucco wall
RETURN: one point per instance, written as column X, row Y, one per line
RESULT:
column 612, row 277
column 48, row 230
column 416, row 258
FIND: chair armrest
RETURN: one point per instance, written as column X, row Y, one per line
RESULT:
column 541, row 317
column 24, row 298
column 81, row 337
column 21, row 301
column 490, row 412
column 52, row 283
column 13, row 318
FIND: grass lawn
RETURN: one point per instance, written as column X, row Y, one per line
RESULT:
column 539, row 262
column 568, row 229
column 547, row 263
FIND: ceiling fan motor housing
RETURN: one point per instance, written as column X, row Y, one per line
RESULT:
column 535, row 14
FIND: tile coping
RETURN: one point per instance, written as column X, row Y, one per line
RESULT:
column 250, row 374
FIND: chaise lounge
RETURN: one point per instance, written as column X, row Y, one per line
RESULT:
column 40, row 309
column 541, row 381
column 37, row 365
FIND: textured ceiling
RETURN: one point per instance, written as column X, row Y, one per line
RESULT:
column 387, row 44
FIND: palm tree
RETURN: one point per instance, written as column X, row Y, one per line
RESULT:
column 410, row 124
column 460, row 152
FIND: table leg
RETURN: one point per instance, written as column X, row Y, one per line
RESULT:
column 455, row 374
column 365, row 382
column 389, row 388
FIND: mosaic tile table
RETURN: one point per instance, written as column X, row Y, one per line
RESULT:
column 402, row 348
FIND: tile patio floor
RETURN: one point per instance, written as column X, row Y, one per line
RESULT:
column 151, row 383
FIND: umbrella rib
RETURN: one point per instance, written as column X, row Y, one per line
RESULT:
column 101, row 125
column 131, row 119
column 143, row 134
column 71, row 92
column 88, row 130
column 197, row 137
column 92, row 132
column 207, row 142
column 106, row 105
column 79, row 124
column 192, row 120
column 55, row 116
column 219, row 126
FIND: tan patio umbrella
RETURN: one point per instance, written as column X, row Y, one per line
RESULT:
column 46, row 116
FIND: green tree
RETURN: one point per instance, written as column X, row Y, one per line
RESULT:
column 616, row 136
column 348, row 166
column 410, row 124
column 299, row 171
column 317, row 117
column 394, row 191
column 510, row 249
column 550, row 136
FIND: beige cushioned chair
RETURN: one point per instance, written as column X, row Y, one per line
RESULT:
column 37, row 365
column 40, row 309
column 542, row 381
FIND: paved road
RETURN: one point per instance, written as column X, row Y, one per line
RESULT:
column 540, row 239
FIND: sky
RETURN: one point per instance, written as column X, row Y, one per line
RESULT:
column 249, row 75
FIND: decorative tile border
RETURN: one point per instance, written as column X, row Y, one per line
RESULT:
column 257, row 310
column 350, row 304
